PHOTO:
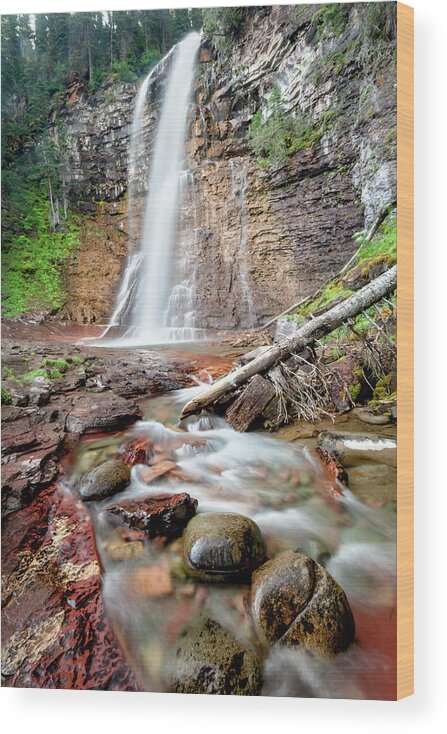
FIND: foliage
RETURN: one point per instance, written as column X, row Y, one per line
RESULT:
column 278, row 135
column 31, row 264
column 223, row 21
column 331, row 18
column 6, row 397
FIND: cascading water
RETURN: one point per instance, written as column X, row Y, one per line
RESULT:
column 143, row 299
column 238, row 192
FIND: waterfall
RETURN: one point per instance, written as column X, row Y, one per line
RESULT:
column 144, row 295
column 238, row 193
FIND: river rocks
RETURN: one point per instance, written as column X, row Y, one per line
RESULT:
column 165, row 515
column 207, row 658
column 353, row 449
column 105, row 480
column 295, row 602
column 222, row 546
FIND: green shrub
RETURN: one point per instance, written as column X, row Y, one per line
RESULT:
column 123, row 72
column 279, row 136
column 31, row 265
column 332, row 18
column 6, row 397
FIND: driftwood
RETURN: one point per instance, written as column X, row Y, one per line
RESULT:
column 313, row 329
column 307, row 299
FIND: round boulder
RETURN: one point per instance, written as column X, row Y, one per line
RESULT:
column 105, row 480
column 294, row 601
column 207, row 658
column 221, row 546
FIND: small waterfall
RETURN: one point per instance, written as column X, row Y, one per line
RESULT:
column 238, row 193
column 181, row 312
column 144, row 294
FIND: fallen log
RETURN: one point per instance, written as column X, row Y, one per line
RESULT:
column 314, row 328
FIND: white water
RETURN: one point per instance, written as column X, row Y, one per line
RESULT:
column 143, row 298
column 238, row 192
column 281, row 487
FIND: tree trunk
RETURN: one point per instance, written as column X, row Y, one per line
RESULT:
column 312, row 329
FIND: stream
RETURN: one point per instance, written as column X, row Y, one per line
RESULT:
column 278, row 483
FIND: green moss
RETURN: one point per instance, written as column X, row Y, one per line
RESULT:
column 33, row 374
column 60, row 364
column 354, row 390
column 331, row 19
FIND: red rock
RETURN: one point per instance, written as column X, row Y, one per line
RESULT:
column 54, row 627
column 165, row 515
column 334, row 472
column 135, row 452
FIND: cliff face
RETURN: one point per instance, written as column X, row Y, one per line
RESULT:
column 251, row 240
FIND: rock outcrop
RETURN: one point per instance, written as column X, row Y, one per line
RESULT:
column 251, row 240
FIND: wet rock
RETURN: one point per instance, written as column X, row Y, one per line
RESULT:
column 136, row 451
column 150, row 582
column 207, row 658
column 295, row 602
column 369, row 416
column 165, row 515
column 55, row 632
column 106, row 412
column 222, row 546
column 31, row 446
column 333, row 470
column 105, row 480
column 357, row 448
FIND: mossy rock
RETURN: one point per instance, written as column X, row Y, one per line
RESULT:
column 105, row 480
column 207, row 658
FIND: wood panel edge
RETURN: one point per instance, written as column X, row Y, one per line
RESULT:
column 405, row 351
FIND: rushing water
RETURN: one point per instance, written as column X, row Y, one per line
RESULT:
column 143, row 299
column 279, row 485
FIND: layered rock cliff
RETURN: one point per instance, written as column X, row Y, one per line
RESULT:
column 252, row 240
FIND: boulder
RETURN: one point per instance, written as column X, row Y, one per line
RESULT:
column 105, row 480
column 222, row 546
column 295, row 602
column 207, row 658
column 353, row 449
column 165, row 515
